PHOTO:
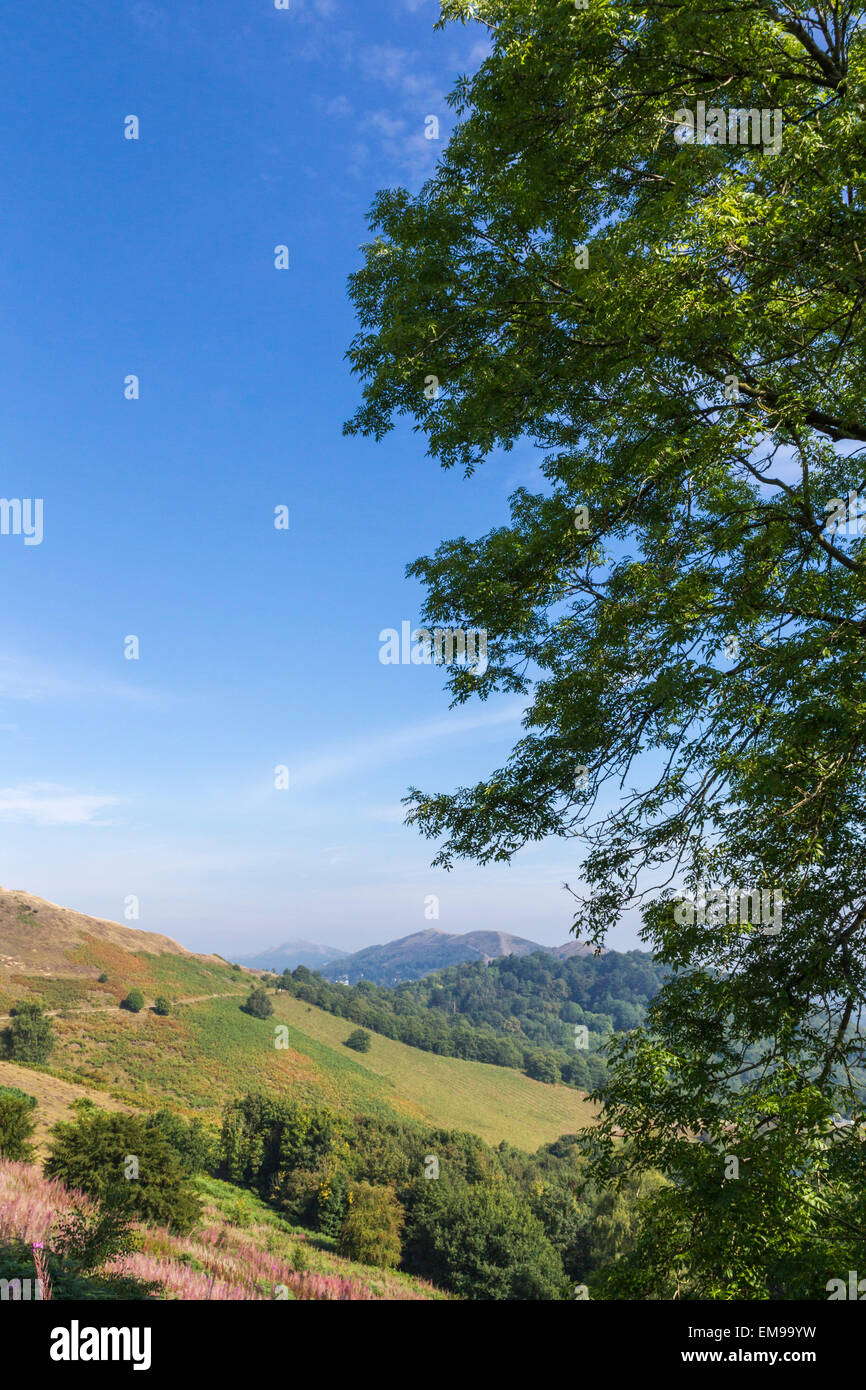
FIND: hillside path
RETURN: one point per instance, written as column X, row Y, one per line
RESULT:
column 107, row 1008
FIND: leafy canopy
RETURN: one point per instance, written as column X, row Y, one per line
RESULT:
column 681, row 599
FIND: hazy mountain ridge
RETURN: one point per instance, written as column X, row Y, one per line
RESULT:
column 421, row 953
column 292, row 954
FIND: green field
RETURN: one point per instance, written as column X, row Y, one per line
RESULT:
column 209, row 1051
column 494, row 1102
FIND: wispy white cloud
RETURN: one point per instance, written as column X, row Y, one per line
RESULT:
column 339, row 106
column 44, row 803
column 413, row 738
column 21, row 679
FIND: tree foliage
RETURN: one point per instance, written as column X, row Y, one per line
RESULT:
column 17, row 1124
column 371, row 1228
column 122, row 1162
column 681, row 600
column 29, row 1038
column 258, row 1005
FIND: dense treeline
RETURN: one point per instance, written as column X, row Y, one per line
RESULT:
column 545, row 1016
column 482, row 1222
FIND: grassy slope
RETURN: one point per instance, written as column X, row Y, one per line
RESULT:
column 209, row 1051
column 495, row 1102
column 53, row 1095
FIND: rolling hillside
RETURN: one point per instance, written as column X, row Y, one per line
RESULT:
column 208, row 1051
column 58, row 955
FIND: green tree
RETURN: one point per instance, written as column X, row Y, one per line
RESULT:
column 332, row 1200
column 358, row 1040
column 371, row 1230
column 678, row 326
column 482, row 1241
column 195, row 1144
column 17, row 1124
column 258, row 1004
column 542, row 1066
column 29, row 1038
column 161, row 1005
column 265, row 1137
column 119, row 1160
column 134, row 1000
column 87, row 1239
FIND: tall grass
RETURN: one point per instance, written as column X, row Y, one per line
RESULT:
column 219, row 1261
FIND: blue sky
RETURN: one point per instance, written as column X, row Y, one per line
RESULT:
column 155, row 257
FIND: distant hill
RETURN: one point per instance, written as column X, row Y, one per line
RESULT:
column 412, row 957
column 292, row 954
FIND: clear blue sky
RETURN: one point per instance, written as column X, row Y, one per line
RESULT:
column 258, row 647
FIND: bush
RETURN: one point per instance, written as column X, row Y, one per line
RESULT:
column 482, row 1241
column 544, row 1067
column 332, row 1202
column 16, row 1124
column 134, row 1000
column 29, row 1038
column 161, row 1005
column 101, row 1154
column 296, row 1194
column 196, row 1146
column 101, row 979
column 258, row 1004
column 371, row 1230
column 359, row 1040
column 86, row 1240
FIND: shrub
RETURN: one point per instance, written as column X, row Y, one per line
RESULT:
column 264, row 1138
column 16, row 1124
column 29, row 1038
column 194, row 1143
column 482, row 1241
column 332, row 1202
column 296, row 1193
column 258, row 1004
column 87, row 1238
column 371, row 1230
column 101, row 979
column 134, row 1000
column 544, row 1067
column 161, row 1005
column 359, row 1040
column 94, row 1152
